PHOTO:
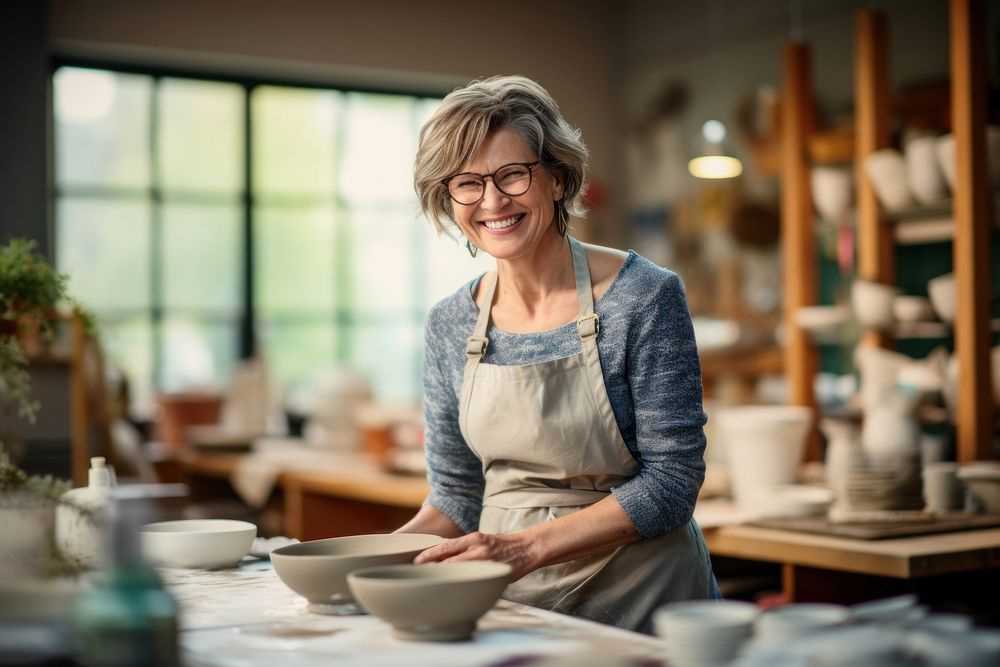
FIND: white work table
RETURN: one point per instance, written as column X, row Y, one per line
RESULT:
column 246, row 617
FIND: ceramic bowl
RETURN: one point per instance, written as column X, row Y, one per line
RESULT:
column 908, row 308
column 795, row 620
column 832, row 191
column 943, row 296
column 923, row 173
column 796, row 500
column 317, row 570
column 873, row 304
column 886, row 171
column 432, row 601
column 982, row 480
column 822, row 321
column 197, row 543
column 704, row 632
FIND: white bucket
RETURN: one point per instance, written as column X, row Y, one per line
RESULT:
column 764, row 447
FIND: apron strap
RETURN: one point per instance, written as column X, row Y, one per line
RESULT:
column 588, row 324
column 476, row 344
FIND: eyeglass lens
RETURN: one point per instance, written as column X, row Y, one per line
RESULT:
column 512, row 180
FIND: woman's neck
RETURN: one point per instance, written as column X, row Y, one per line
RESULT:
column 529, row 283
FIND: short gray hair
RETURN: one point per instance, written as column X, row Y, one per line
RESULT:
column 468, row 115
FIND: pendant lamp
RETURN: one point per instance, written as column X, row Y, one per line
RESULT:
column 714, row 160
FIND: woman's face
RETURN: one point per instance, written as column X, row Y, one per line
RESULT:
column 508, row 227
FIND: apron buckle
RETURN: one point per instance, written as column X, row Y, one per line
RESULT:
column 476, row 346
column 588, row 325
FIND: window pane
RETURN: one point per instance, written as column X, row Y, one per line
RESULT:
column 128, row 343
column 200, row 141
column 295, row 351
column 425, row 107
column 104, row 246
column 197, row 354
column 294, row 140
column 448, row 264
column 202, row 257
column 381, row 262
column 293, row 254
column 379, row 147
column 389, row 354
column 102, row 128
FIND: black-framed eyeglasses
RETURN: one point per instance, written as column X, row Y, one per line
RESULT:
column 511, row 179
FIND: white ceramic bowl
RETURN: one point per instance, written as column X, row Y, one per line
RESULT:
column 873, row 304
column 908, row 308
column 982, row 480
column 943, row 296
column 923, row 173
column 795, row 620
column 832, row 191
column 432, row 601
column 197, row 543
column 886, row 170
column 822, row 321
column 796, row 500
column 317, row 570
column 702, row 632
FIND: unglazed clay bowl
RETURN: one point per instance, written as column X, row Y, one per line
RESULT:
column 433, row 601
column 317, row 570
column 197, row 543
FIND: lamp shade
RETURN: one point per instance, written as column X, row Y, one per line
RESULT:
column 714, row 159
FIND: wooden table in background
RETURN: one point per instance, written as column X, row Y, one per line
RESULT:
column 357, row 497
column 957, row 566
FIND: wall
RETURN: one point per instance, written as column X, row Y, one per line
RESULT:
column 432, row 45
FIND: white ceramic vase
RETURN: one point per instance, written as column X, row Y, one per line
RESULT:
column 81, row 517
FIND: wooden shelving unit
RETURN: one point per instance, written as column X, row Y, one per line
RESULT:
column 969, row 212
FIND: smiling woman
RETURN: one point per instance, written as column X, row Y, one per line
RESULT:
column 562, row 391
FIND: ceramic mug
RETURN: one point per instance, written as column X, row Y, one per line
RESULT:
column 942, row 490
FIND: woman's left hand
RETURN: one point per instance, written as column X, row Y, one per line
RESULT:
column 510, row 548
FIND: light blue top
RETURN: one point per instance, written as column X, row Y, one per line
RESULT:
column 653, row 378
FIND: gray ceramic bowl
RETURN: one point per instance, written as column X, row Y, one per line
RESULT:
column 317, row 570
column 433, row 601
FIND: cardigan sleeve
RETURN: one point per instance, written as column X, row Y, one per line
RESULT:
column 664, row 376
column 453, row 469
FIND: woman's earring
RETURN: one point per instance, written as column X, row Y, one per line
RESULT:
column 471, row 248
column 562, row 218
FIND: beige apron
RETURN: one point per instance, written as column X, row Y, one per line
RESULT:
column 549, row 444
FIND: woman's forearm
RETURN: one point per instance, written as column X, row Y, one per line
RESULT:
column 603, row 526
column 432, row 521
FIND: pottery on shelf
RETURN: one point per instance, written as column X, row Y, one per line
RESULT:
column 764, row 447
column 926, row 181
column 843, row 453
column 942, row 292
column 832, row 191
column 907, row 308
column 873, row 304
column 886, row 171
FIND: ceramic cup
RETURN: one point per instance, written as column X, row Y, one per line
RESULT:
column 942, row 490
column 886, row 171
column 943, row 296
column 832, row 191
column 873, row 304
column 945, row 150
column 927, row 183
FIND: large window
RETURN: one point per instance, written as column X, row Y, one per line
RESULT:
column 198, row 219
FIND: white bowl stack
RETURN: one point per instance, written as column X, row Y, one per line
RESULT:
column 700, row 633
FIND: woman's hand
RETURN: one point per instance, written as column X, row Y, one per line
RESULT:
column 511, row 548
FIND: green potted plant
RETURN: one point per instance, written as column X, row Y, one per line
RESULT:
column 30, row 289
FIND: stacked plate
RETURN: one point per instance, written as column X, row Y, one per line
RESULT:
column 700, row 633
column 885, row 487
